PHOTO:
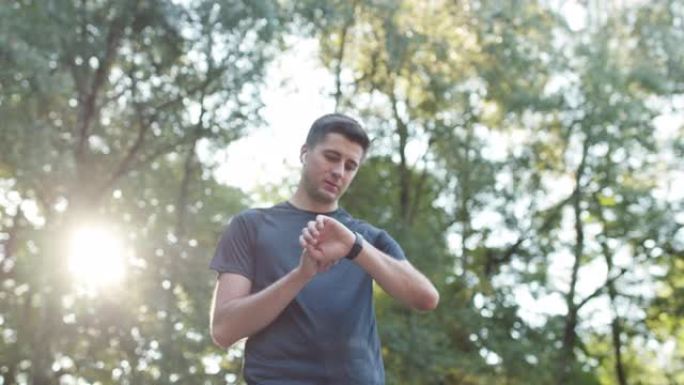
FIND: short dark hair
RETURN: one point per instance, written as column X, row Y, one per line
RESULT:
column 340, row 124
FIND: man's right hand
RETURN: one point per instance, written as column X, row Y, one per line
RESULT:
column 309, row 266
column 238, row 313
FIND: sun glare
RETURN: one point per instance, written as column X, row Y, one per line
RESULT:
column 96, row 257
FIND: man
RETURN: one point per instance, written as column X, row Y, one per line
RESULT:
column 296, row 278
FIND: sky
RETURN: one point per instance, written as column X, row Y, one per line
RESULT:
column 294, row 96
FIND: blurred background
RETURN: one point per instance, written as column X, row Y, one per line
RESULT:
column 526, row 154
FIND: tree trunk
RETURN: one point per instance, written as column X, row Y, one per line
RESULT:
column 340, row 56
column 404, row 171
column 616, row 330
column 567, row 354
column 616, row 324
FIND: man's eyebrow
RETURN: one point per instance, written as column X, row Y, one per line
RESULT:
column 332, row 152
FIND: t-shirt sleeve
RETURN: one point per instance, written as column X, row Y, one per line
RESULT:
column 234, row 251
column 385, row 243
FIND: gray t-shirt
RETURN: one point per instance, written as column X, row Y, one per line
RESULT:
column 327, row 334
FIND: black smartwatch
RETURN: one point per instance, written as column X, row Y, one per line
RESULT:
column 356, row 248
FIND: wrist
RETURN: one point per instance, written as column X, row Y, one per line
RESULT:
column 302, row 274
column 356, row 246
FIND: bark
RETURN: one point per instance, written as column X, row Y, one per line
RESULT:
column 46, row 297
column 404, row 172
column 616, row 331
column 8, row 377
column 465, row 197
column 89, row 93
column 569, row 341
column 616, row 324
column 10, row 245
column 340, row 57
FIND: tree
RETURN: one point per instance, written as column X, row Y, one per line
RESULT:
column 107, row 108
column 575, row 112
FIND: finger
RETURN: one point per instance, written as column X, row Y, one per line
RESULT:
column 320, row 224
column 310, row 239
column 320, row 221
column 315, row 254
column 312, row 229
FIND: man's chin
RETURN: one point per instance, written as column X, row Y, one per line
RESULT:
column 326, row 197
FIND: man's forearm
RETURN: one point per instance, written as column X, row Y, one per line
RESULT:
column 398, row 278
column 241, row 317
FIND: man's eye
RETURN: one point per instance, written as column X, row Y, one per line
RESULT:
column 350, row 167
column 331, row 157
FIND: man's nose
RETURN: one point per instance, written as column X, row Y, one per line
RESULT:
column 337, row 170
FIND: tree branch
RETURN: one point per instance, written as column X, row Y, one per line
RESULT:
column 88, row 101
column 600, row 289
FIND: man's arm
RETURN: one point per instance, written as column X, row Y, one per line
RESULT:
column 327, row 240
column 398, row 278
column 235, row 313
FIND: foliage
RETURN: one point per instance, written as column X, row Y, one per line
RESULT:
column 107, row 108
column 536, row 145
column 527, row 156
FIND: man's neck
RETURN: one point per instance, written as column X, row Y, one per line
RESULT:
column 302, row 201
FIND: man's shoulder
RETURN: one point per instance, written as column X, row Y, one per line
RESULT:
column 375, row 235
column 253, row 214
column 246, row 214
column 365, row 228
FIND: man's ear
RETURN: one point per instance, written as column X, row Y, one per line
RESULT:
column 303, row 152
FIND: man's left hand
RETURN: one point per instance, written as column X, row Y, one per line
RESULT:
column 326, row 239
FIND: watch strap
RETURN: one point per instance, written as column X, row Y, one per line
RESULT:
column 356, row 247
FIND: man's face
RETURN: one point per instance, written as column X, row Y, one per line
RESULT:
column 329, row 167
